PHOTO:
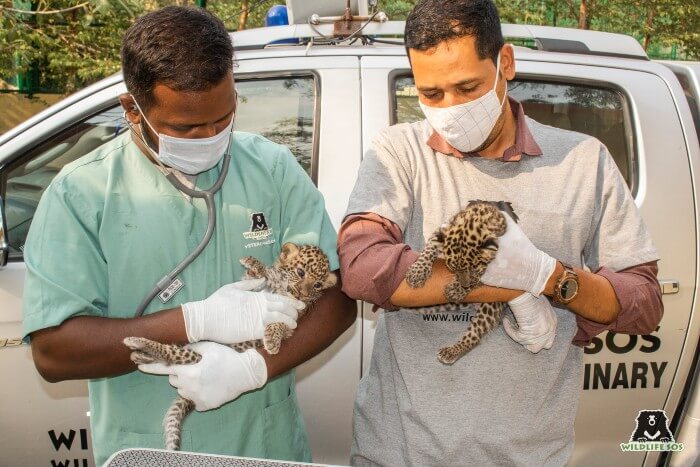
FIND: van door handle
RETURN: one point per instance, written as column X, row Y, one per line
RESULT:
column 669, row 286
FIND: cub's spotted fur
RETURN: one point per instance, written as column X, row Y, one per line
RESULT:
column 467, row 243
column 302, row 272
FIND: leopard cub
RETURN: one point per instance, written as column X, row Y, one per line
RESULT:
column 301, row 272
column 467, row 244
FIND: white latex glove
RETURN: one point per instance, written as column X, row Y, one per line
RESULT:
column 235, row 313
column 518, row 264
column 537, row 322
column 219, row 377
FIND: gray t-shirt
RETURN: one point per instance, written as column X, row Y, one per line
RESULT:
column 499, row 404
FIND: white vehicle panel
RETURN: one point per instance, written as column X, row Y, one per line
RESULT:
column 354, row 103
column 326, row 384
column 665, row 197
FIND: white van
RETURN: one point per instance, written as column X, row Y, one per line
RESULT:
column 326, row 102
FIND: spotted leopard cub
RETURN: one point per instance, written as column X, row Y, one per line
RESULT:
column 299, row 272
column 467, row 244
column 302, row 272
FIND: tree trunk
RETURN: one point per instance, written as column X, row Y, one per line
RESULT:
column 648, row 25
column 244, row 16
column 583, row 15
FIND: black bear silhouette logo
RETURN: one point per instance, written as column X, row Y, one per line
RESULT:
column 652, row 426
column 258, row 222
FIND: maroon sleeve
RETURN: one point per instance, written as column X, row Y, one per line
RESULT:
column 641, row 308
column 373, row 258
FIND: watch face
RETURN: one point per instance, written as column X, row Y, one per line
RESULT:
column 569, row 289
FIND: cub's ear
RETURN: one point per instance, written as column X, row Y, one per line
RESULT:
column 332, row 280
column 287, row 250
column 507, row 207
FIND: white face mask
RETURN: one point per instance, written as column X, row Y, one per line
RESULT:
column 466, row 126
column 190, row 156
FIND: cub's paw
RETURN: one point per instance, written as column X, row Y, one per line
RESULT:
column 137, row 343
column 252, row 267
column 248, row 262
column 417, row 276
column 448, row 355
column 274, row 334
column 141, row 347
column 454, row 292
column 272, row 345
column 141, row 357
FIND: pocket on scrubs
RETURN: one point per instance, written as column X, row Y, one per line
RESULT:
column 285, row 434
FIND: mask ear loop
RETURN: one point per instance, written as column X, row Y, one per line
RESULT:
column 498, row 71
column 141, row 137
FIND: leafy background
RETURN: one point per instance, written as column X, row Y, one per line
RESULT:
column 79, row 42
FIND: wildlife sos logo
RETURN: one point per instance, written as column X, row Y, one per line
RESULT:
column 651, row 433
column 260, row 232
column 258, row 222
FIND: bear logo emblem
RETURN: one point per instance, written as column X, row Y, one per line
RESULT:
column 652, row 426
column 258, row 222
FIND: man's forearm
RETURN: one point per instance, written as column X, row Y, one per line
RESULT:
column 91, row 347
column 596, row 299
column 433, row 292
column 321, row 325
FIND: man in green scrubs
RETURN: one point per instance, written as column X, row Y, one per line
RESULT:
column 111, row 225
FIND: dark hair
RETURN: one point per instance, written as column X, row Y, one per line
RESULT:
column 434, row 21
column 185, row 48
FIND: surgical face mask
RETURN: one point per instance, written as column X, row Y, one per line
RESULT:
column 466, row 126
column 190, row 156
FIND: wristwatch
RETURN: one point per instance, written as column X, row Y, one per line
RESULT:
column 566, row 287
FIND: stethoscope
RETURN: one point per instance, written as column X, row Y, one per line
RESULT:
column 208, row 195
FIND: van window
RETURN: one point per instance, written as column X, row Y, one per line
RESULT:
column 597, row 111
column 25, row 183
column 281, row 109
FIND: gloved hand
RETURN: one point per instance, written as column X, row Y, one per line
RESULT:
column 518, row 264
column 235, row 313
column 219, row 377
column 537, row 322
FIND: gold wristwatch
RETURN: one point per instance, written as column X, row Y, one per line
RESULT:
column 566, row 288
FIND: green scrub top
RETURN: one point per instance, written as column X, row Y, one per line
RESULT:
column 110, row 226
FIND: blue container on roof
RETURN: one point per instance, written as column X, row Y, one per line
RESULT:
column 277, row 16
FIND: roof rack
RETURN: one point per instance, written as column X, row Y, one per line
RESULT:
column 261, row 37
column 547, row 38
column 579, row 41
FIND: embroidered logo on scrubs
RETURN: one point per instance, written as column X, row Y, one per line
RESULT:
column 259, row 230
column 651, row 433
column 259, row 222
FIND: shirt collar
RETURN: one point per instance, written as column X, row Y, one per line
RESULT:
column 524, row 141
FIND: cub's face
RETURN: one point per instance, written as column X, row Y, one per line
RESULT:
column 470, row 238
column 308, row 271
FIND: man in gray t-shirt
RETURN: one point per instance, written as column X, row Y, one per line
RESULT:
column 580, row 260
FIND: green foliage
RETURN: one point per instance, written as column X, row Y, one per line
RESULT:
column 79, row 46
column 662, row 26
column 670, row 27
column 72, row 49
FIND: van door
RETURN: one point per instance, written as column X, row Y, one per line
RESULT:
column 331, row 154
column 634, row 112
column 43, row 423
column 292, row 101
